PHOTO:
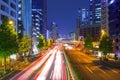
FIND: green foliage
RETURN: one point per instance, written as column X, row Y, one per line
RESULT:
column 49, row 42
column 45, row 43
column 24, row 44
column 8, row 39
column 89, row 42
column 105, row 44
column 41, row 41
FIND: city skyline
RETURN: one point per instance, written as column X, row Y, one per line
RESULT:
column 64, row 13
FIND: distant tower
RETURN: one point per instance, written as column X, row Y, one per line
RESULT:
column 54, row 31
column 78, row 23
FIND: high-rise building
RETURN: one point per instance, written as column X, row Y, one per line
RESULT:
column 93, row 21
column 83, row 14
column 114, row 17
column 114, row 24
column 37, row 22
column 25, row 16
column 104, row 16
column 39, row 17
column 78, row 24
column 8, row 9
column 54, row 31
column 95, row 11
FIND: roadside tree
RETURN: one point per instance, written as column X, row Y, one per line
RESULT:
column 24, row 46
column 8, row 40
column 41, row 42
column 105, row 45
column 89, row 42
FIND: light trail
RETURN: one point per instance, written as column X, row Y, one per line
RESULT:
column 27, row 72
column 44, row 73
column 58, row 67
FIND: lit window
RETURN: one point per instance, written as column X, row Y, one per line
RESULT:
column 19, row 5
column 19, row 12
column 19, row 18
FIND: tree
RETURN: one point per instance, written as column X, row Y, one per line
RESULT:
column 45, row 43
column 89, row 42
column 49, row 42
column 41, row 41
column 8, row 40
column 24, row 45
column 105, row 45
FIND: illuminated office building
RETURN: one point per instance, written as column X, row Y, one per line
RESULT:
column 25, row 16
column 8, row 9
column 95, row 11
column 39, row 17
column 114, row 24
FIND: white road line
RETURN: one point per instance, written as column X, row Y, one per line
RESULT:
column 112, row 70
column 89, row 69
column 115, row 71
column 101, row 70
column 51, row 74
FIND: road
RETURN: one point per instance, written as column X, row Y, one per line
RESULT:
column 50, row 67
column 92, row 69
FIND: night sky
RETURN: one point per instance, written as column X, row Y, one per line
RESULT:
column 64, row 13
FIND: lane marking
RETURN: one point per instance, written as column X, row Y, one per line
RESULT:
column 89, row 69
column 101, row 70
column 115, row 71
column 112, row 70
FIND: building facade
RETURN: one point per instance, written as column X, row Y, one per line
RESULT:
column 78, row 28
column 92, row 30
column 84, row 16
column 25, row 17
column 114, row 24
column 39, row 17
column 8, row 9
column 54, row 31
column 37, row 25
column 95, row 11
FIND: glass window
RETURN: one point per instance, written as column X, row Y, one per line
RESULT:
column 13, row 6
column 4, row 8
column 12, row 13
column 6, row 1
column 19, row 5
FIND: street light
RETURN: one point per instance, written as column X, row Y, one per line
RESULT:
column 102, row 31
column 10, row 22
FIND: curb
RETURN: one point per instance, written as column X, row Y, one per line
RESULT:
column 68, row 66
column 7, row 75
column 112, row 65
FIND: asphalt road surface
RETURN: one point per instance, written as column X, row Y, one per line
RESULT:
column 92, row 69
column 50, row 67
